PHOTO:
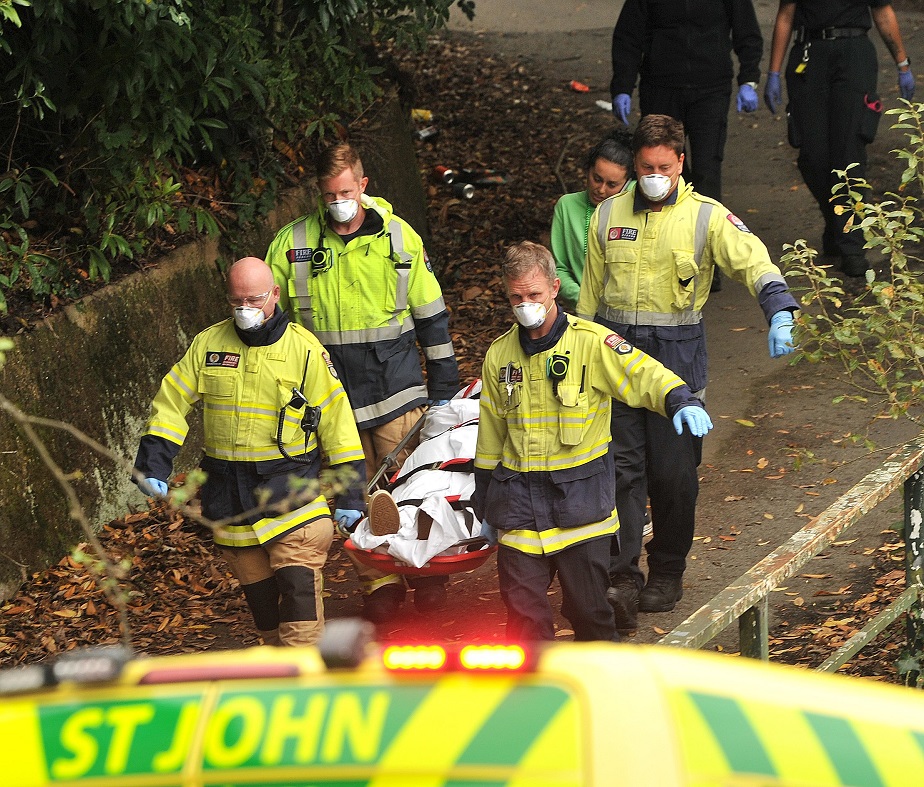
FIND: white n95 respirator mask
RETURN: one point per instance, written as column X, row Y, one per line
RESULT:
column 343, row 210
column 655, row 187
column 248, row 318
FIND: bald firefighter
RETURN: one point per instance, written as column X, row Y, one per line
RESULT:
column 543, row 469
column 271, row 403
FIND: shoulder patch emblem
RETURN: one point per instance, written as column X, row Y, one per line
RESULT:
column 737, row 222
column 616, row 343
column 622, row 233
column 330, row 366
column 228, row 360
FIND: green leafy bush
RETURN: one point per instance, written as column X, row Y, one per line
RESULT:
column 130, row 123
column 875, row 336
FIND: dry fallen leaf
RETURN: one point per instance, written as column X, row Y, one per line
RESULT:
column 744, row 422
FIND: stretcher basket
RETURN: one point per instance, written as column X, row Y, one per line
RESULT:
column 440, row 565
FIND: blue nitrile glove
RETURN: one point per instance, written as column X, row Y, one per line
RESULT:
column 773, row 93
column 779, row 339
column 346, row 519
column 153, row 487
column 622, row 106
column 747, row 99
column 696, row 419
column 488, row 533
column 431, row 403
column 906, row 84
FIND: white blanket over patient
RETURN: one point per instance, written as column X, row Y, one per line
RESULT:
column 426, row 485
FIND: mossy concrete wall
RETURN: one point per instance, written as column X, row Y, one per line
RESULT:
column 97, row 365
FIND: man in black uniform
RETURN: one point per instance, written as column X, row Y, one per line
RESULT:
column 681, row 49
column 834, row 107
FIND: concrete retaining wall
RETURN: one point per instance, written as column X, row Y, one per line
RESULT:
column 97, row 364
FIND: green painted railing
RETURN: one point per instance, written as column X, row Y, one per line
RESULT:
column 746, row 599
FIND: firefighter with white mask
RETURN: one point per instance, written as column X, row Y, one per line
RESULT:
column 271, row 404
column 359, row 278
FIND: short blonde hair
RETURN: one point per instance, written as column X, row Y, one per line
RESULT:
column 525, row 256
column 335, row 159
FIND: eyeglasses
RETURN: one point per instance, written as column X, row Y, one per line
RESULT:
column 254, row 301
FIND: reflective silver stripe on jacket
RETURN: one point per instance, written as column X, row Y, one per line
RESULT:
column 390, row 332
column 302, row 274
column 700, row 236
column 403, row 269
column 603, row 219
column 766, row 279
column 372, row 411
column 438, row 351
column 632, row 317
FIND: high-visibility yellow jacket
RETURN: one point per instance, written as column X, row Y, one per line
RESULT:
column 648, row 273
column 367, row 300
column 543, row 472
column 243, row 389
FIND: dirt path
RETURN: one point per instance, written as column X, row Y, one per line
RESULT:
column 751, row 498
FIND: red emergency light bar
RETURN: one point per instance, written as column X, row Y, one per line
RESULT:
column 469, row 658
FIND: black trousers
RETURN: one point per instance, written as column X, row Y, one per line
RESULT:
column 831, row 121
column 704, row 114
column 653, row 462
column 582, row 574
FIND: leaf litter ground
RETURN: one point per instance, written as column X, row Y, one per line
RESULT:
column 491, row 114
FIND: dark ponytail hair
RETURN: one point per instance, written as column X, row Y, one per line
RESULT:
column 615, row 147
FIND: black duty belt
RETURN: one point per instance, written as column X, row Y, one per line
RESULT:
column 827, row 33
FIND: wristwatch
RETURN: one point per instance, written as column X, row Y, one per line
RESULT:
column 906, row 63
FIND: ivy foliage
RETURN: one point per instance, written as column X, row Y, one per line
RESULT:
column 111, row 110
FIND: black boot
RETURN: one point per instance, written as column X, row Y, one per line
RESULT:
column 381, row 606
column 854, row 265
column 661, row 593
column 623, row 598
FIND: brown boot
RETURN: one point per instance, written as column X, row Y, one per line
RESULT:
column 384, row 518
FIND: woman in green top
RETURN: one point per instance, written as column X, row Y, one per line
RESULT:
column 609, row 169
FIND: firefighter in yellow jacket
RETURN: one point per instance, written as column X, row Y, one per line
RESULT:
column 359, row 278
column 543, row 469
column 271, row 402
column 651, row 255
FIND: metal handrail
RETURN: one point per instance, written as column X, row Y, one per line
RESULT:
column 746, row 599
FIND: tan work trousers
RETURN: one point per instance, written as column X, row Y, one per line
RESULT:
column 283, row 583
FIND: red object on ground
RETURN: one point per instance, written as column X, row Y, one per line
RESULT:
column 578, row 87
